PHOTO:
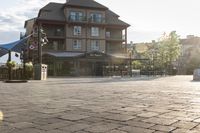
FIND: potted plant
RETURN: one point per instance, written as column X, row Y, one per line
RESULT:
column 11, row 64
column 29, row 70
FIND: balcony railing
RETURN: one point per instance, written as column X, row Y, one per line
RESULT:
column 73, row 18
column 99, row 20
column 115, row 38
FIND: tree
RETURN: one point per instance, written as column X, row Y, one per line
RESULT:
column 164, row 52
column 137, row 64
column 169, row 49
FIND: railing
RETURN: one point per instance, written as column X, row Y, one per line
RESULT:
column 54, row 33
column 74, row 18
column 99, row 20
column 115, row 38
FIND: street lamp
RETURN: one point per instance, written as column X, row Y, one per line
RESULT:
column 40, row 70
column 42, row 40
column 130, row 61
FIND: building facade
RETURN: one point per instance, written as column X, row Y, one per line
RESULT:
column 189, row 58
column 84, row 38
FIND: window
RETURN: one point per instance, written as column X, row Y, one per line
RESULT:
column 96, row 17
column 58, row 32
column 94, row 45
column 107, row 34
column 76, row 16
column 55, row 45
column 94, row 31
column 76, row 44
column 77, row 30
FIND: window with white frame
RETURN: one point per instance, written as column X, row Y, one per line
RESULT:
column 76, row 16
column 76, row 44
column 107, row 34
column 95, row 45
column 96, row 17
column 94, row 31
column 77, row 30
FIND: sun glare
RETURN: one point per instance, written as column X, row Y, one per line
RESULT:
column 1, row 116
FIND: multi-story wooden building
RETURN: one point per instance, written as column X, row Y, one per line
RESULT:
column 84, row 37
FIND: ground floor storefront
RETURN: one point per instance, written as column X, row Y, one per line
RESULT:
column 86, row 64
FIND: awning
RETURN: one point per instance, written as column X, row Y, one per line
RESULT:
column 13, row 46
column 3, row 52
column 120, row 56
column 64, row 54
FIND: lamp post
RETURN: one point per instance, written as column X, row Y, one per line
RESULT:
column 39, row 46
column 130, row 61
column 42, row 40
column 9, row 67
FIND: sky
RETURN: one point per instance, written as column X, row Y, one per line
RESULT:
column 149, row 19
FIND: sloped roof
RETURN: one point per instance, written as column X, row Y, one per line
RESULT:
column 112, row 13
column 86, row 3
column 52, row 11
column 112, row 19
column 55, row 11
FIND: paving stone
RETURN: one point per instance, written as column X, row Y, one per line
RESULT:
column 185, row 124
column 55, row 131
column 30, row 130
column 22, row 125
column 80, row 132
column 52, row 126
column 163, row 128
column 73, row 117
column 100, row 105
column 159, row 132
column 158, row 110
column 119, row 117
column 136, row 129
column 139, row 124
column 102, row 127
column 75, row 127
column 160, row 121
column 148, row 114
column 116, row 131
column 197, row 120
column 8, row 129
column 181, row 131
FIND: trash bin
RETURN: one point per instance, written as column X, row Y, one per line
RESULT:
column 40, row 71
column 196, row 75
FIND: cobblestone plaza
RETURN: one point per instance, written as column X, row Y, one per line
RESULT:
column 106, row 105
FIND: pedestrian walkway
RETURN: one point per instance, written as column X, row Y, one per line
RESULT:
column 101, row 105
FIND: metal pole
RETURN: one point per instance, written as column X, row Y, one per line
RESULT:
column 24, row 65
column 130, row 64
column 39, row 47
column 9, row 68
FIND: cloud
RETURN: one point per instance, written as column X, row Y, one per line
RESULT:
column 12, row 19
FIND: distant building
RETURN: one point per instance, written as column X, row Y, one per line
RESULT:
column 190, row 51
column 84, row 37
